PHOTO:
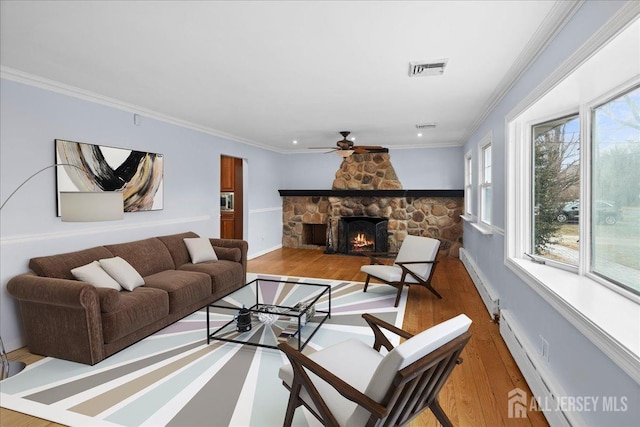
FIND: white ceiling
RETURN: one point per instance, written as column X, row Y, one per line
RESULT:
column 268, row 72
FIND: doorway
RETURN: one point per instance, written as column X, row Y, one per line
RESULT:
column 231, row 198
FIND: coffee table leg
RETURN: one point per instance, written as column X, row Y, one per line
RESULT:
column 208, row 336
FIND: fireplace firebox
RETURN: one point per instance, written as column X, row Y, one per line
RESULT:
column 357, row 234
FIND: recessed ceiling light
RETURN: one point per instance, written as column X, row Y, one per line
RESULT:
column 295, row 141
column 419, row 134
column 353, row 138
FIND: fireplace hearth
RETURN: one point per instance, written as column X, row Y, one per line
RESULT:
column 357, row 234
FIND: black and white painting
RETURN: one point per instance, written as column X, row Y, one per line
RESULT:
column 138, row 175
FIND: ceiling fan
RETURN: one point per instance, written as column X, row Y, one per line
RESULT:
column 346, row 147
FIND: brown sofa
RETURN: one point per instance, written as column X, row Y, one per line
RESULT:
column 69, row 319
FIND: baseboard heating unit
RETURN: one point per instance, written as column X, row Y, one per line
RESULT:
column 544, row 390
column 486, row 291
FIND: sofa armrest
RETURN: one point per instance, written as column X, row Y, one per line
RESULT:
column 46, row 290
column 61, row 317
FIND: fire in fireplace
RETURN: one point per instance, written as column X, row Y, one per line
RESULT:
column 362, row 242
column 362, row 234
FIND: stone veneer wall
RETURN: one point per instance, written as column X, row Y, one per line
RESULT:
column 437, row 217
column 370, row 171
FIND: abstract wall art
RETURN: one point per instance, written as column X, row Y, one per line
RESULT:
column 138, row 175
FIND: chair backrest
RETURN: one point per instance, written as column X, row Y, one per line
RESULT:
column 416, row 248
column 426, row 358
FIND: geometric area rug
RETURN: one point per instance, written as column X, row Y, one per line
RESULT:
column 173, row 378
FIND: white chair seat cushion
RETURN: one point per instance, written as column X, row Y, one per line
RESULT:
column 352, row 361
column 387, row 273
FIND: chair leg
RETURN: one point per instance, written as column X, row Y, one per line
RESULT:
column 366, row 283
column 398, row 295
column 292, row 405
column 433, row 291
column 439, row 413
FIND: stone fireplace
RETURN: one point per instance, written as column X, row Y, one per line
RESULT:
column 366, row 193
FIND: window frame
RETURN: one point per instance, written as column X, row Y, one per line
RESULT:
column 527, row 241
column 586, row 229
column 483, row 185
column 468, row 184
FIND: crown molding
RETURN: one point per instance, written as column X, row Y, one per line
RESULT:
column 561, row 12
column 18, row 76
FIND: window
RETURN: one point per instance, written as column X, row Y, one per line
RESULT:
column 485, row 180
column 468, row 183
column 595, row 91
column 615, row 190
column 584, row 212
column 556, row 189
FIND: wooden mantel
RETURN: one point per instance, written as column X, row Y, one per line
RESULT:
column 372, row 193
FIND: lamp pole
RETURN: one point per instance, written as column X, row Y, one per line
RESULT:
column 32, row 176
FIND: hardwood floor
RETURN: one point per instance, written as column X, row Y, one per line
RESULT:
column 476, row 393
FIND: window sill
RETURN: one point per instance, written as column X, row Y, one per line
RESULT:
column 610, row 320
column 482, row 228
column 468, row 218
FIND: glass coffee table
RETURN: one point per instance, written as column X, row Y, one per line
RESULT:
column 280, row 311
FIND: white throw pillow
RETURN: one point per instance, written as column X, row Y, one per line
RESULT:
column 122, row 272
column 94, row 275
column 200, row 249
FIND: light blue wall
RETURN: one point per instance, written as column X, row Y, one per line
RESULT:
column 32, row 118
column 576, row 364
column 422, row 168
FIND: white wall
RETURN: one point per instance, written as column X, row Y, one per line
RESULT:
column 32, row 118
column 577, row 365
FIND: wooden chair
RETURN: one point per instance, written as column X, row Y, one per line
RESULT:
column 414, row 264
column 352, row 384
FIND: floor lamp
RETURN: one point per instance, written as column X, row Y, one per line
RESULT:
column 81, row 206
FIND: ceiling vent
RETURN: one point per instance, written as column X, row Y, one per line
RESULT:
column 426, row 126
column 427, row 68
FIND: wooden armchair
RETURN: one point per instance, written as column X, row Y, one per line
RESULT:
column 352, row 384
column 415, row 263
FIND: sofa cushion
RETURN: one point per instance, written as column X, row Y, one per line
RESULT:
column 60, row 266
column 176, row 247
column 184, row 287
column 137, row 309
column 231, row 254
column 95, row 275
column 226, row 276
column 200, row 249
column 122, row 272
column 109, row 299
column 147, row 256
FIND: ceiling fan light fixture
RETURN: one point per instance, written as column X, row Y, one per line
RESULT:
column 345, row 153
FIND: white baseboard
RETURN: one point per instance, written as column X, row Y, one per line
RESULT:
column 541, row 383
column 489, row 296
column 265, row 251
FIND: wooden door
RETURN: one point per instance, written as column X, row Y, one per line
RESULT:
column 227, row 173
column 227, row 225
column 231, row 222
